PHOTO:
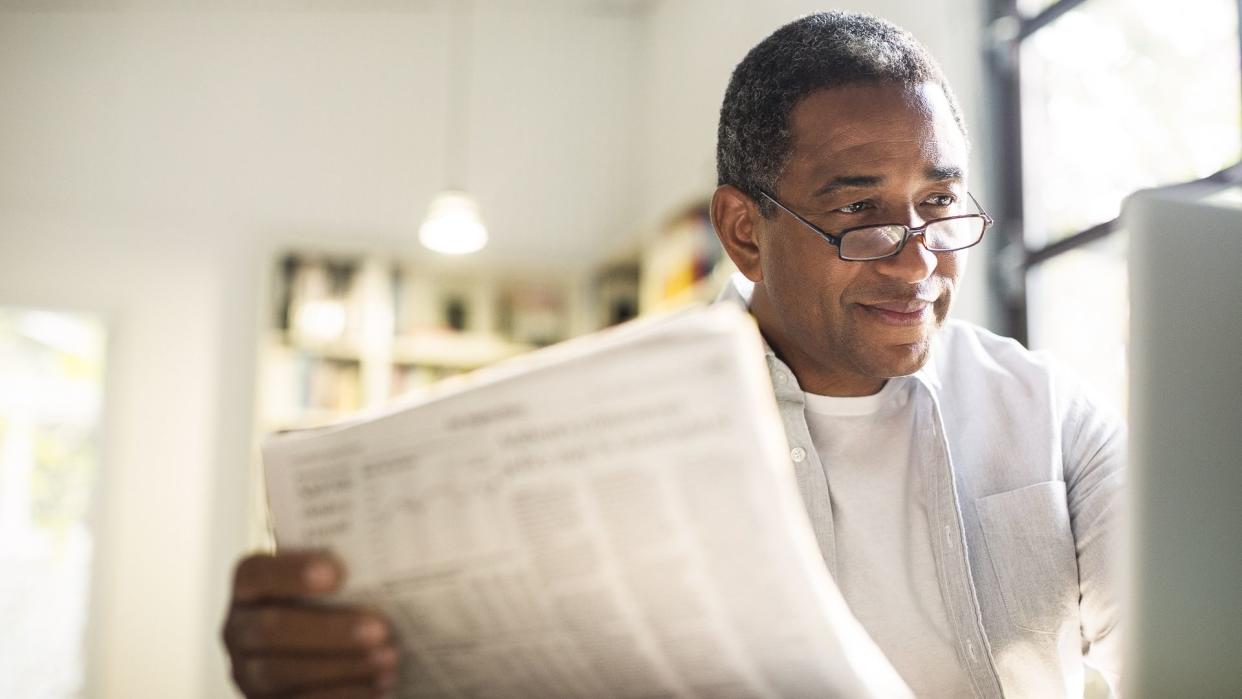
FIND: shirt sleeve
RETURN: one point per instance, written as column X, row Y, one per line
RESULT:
column 1095, row 455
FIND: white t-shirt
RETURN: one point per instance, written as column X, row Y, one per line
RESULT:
column 886, row 568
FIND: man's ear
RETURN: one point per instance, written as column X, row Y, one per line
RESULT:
column 735, row 216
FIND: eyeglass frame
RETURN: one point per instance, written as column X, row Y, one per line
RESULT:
column 907, row 234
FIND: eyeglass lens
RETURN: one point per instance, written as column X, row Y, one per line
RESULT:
column 940, row 236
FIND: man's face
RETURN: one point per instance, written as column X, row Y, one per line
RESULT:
column 871, row 154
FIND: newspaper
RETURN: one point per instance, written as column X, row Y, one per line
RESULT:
column 613, row 517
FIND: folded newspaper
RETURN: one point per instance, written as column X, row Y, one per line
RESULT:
column 615, row 516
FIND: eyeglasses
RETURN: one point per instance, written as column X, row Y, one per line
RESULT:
column 876, row 242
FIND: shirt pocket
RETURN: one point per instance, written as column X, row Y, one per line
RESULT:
column 1031, row 546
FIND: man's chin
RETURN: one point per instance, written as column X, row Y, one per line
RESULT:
column 901, row 359
column 899, row 351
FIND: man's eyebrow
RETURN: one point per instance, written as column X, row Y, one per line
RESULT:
column 941, row 173
column 848, row 181
column 935, row 173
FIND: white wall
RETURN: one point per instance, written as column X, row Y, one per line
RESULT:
column 164, row 320
column 151, row 162
column 322, row 123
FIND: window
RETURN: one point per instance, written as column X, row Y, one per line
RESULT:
column 51, row 388
column 1104, row 97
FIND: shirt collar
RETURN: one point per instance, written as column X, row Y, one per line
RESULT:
column 738, row 291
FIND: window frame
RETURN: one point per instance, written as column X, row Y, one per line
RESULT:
column 1011, row 259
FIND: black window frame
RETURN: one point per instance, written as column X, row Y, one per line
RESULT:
column 1011, row 259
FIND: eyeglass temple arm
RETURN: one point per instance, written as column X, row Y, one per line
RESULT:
column 979, row 206
column 834, row 239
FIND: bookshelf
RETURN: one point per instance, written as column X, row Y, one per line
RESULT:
column 683, row 263
column 349, row 333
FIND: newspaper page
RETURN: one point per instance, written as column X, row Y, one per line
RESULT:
column 613, row 517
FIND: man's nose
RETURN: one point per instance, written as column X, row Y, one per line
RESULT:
column 914, row 263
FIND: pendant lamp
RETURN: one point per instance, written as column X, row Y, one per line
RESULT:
column 453, row 225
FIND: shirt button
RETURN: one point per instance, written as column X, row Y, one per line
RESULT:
column 782, row 378
column 797, row 454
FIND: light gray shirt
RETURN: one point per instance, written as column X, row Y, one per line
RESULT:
column 1024, row 496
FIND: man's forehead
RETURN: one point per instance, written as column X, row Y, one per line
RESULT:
column 877, row 124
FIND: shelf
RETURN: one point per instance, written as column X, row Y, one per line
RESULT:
column 456, row 350
column 333, row 351
column 705, row 290
column 350, row 332
column 682, row 264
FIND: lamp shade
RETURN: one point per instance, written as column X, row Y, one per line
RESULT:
column 453, row 226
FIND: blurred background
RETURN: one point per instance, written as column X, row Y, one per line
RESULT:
column 219, row 218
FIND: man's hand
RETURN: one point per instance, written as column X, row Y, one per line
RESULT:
column 281, row 646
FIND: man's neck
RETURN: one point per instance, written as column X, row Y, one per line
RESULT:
column 816, row 375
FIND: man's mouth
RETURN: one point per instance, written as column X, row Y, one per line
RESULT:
column 902, row 312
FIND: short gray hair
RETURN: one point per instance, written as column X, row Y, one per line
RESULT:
column 818, row 51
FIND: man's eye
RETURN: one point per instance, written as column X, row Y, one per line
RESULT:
column 851, row 208
column 941, row 200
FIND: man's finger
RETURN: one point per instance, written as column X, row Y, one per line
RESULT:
column 287, row 629
column 280, row 675
column 286, row 576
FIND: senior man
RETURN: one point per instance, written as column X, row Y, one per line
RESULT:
column 965, row 497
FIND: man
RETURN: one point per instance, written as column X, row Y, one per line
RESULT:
column 965, row 497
